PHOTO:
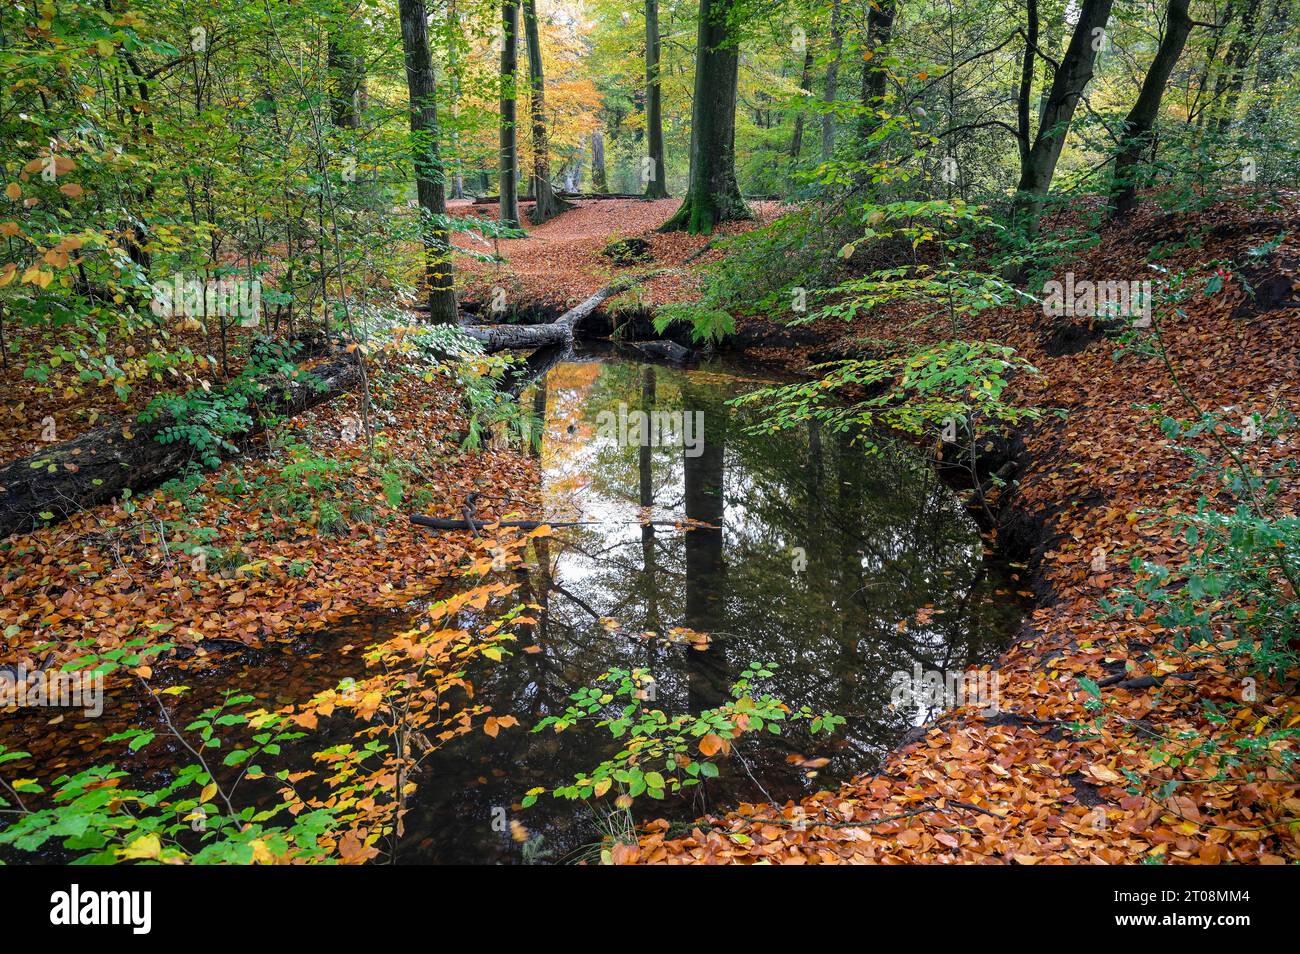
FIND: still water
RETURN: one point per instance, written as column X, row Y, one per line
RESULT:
column 846, row 570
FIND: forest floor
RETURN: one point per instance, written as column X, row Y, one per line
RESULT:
column 1023, row 785
column 1019, row 786
column 120, row 572
column 560, row 262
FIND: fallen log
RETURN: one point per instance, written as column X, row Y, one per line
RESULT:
column 584, row 196
column 97, row 466
column 558, row 332
column 449, row 523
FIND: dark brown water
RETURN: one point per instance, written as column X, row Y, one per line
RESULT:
column 844, row 569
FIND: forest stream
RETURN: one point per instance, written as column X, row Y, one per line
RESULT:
column 845, row 572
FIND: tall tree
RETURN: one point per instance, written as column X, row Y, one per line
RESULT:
column 1141, row 118
column 832, row 82
column 880, row 30
column 805, row 87
column 1038, row 156
column 657, row 181
column 599, row 179
column 1228, row 83
column 509, row 155
column 1274, row 40
column 546, row 205
column 429, row 176
column 713, row 195
column 346, row 62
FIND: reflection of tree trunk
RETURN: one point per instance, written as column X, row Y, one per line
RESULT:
column 814, row 541
column 705, row 571
column 539, row 420
column 848, row 519
column 542, row 548
column 646, row 498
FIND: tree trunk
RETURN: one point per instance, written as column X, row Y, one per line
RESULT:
column 1268, row 72
column 1142, row 117
column 1027, row 82
column 509, row 143
column 429, row 175
column 348, row 77
column 97, row 466
column 805, row 85
column 713, row 195
column 453, row 89
column 657, row 182
column 832, row 83
column 1038, row 162
column 880, row 30
column 560, row 331
column 599, row 181
column 546, row 205
column 1228, row 84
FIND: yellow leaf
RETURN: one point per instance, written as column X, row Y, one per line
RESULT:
column 146, row 846
column 208, row 793
column 14, row 191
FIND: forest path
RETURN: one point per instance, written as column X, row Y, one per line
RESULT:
column 560, row 262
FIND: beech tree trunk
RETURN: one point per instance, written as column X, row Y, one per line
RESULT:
column 430, row 178
column 713, row 195
column 880, row 30
column 832, row 83
column 805, row 84
column 348, row 79
column 599, row 181
column 1142, row 117
column 1228, row 84
column 1039, row 157
column 657, row 183
column 546, row 205
column 1276, row 36
column 509, row 165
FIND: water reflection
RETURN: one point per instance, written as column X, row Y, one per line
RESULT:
column 840, row 567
